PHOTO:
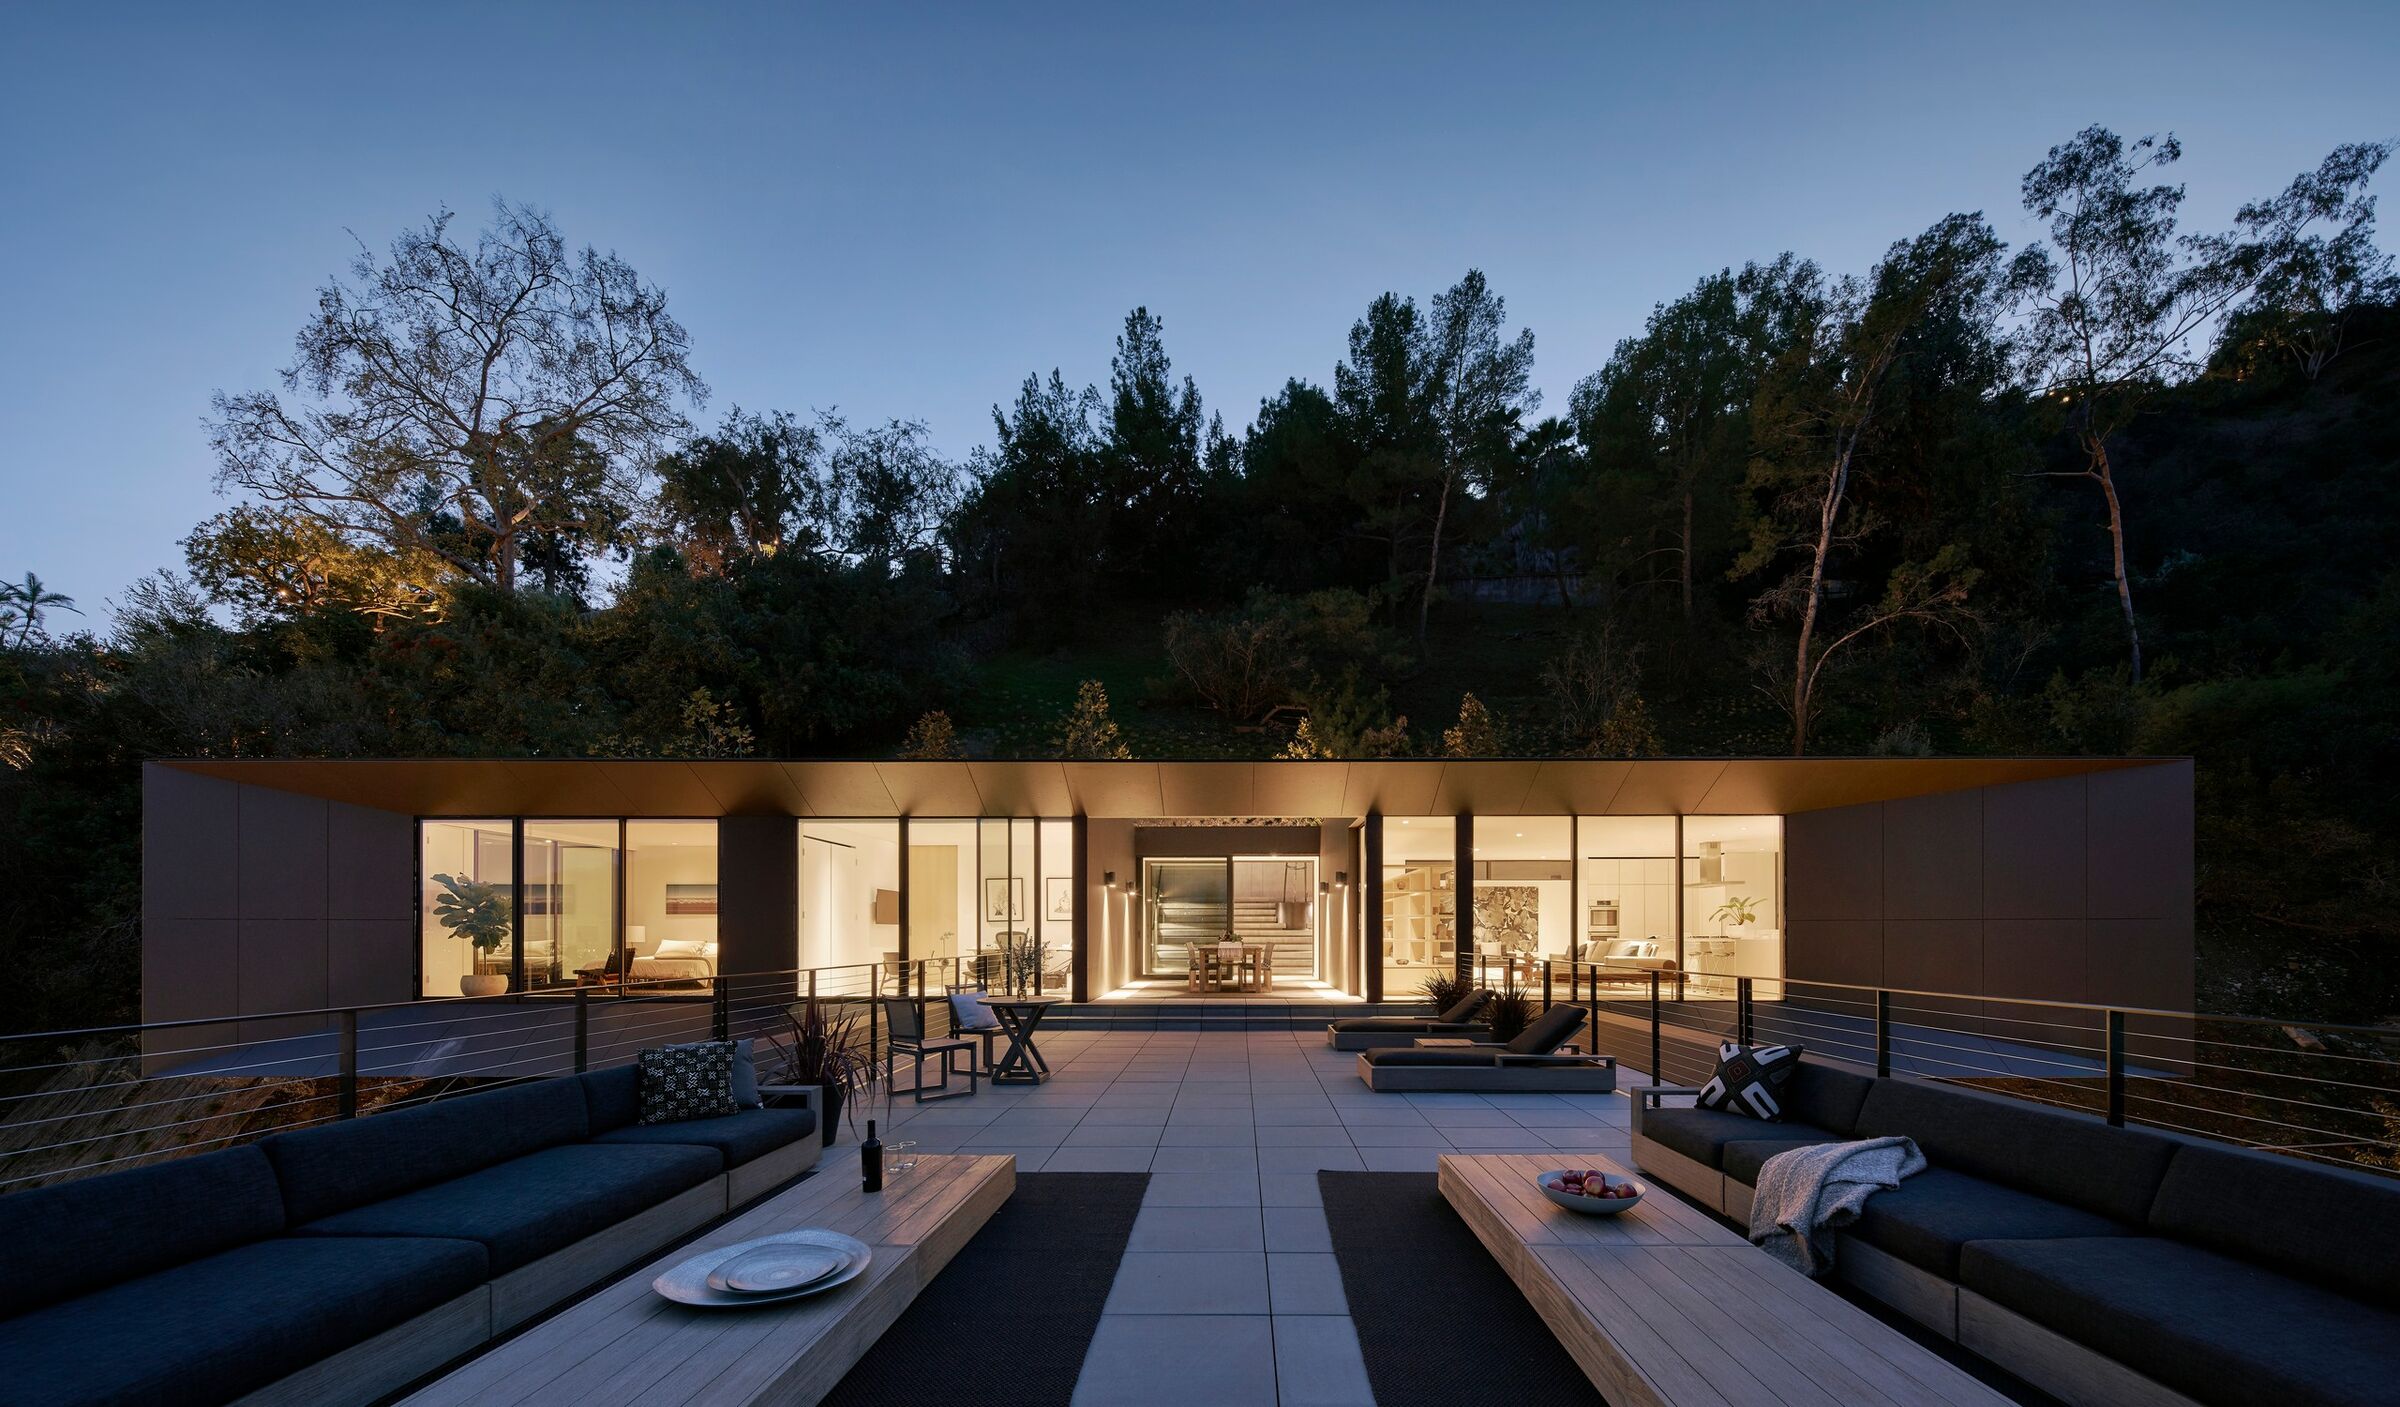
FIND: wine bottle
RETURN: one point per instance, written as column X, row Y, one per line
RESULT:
column 870, row 1160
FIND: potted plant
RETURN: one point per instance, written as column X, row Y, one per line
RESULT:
column 477, row 912
column 1443, row 989
column 1510, row 1010
column 825, row 1052
column 1737, row 911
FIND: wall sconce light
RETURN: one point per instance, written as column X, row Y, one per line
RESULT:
column 1108, row 879
column 1341, row 879
column 1324, row 888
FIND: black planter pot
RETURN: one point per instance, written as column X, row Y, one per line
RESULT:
column 830, row 1102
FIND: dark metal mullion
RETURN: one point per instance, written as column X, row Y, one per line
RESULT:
column 516, row 955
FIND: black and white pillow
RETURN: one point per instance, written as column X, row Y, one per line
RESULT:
column 1750, row 1080
column 680, row 1082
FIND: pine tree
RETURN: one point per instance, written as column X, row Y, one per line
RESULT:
column 1477, row 734
column 931, row 739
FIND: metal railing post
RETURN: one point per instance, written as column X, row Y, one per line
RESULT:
column 874, row 1009
column 1574, row 980
column 2116, row 1068
column 812, row 986
column 1546, row 998
column 1741, row 1010
column 349, row 1086
column 1655, row 1077
column 1883, row 1034
column 720, row 1016
column 583, row 1030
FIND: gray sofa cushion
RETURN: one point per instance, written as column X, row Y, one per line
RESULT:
column 1410, row 1055
column 2071, row 1158
column 351, row 1163
column 526, row 1208
column 227, row 1324
column 1743, row 1158
column 1928, row 1218
column 736, row 1138
column 1548, row 1031
column 1825, row 1096
column 61, row 1241
column 2328, row 1226
column 2207, row 1325
column 1701, row 1134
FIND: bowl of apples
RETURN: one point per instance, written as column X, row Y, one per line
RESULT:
column 1589, row 1190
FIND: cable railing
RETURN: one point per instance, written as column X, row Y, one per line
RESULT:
column 102, row 1098
column 2323, row 1091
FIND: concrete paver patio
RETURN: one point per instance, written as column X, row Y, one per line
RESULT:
column 1228, row 1293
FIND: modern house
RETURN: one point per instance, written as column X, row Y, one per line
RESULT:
column 277, row 886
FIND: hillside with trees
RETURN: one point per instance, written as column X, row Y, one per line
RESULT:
column 2130, row 489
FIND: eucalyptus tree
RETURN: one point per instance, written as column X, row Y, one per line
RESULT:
column 2120, row 300
column 461, row 398
column 1820, row 409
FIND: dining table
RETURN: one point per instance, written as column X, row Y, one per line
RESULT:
column 1021, row 1063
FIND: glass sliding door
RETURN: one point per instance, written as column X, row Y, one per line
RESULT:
column 1524, row 897
column 569, row 931
column 1274, row 903
column 671, row 902
column 1420, row 902
column 466, row 906
column 1733, row 895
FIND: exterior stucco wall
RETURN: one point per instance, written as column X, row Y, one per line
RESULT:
column 2074, row 889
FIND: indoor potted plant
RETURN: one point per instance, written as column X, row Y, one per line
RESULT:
column 824, row 1053
column 1736, row 911
column 478, row 913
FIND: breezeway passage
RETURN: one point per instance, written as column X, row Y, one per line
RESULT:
column 1228, row 1292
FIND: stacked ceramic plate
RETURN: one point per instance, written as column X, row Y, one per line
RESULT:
column 768, row 1270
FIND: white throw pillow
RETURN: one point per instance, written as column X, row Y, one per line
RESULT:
column 968, row 1013
column 678, row 948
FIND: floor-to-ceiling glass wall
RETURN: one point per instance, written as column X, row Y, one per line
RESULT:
column 569, row 930
column 1524, row 896
column 671, row 902
column 1627, row 894
column 466, row 906
column 1056, row 917
column 1733, row 895
column 850, row 895
column 1014, row 947
column 1420, row 902
column 944, row 927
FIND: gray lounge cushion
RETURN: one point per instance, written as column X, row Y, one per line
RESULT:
column 1548, row 1031
column 736, row 1138
column 1824, row 1096
column 1702, row 1134
column 1743, row 1158
column 227, row 1324
column 337, row 1166
column 1411, row 1025
column 1462, row 1011
column 528, row 1207
column 2209, row 1326
column 59, row 1242
column 2328, row 1226
column 2075, row 1159
column 1928, row 1218
column 1453, row 1056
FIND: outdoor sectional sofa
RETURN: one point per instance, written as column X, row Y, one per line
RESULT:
column 2101, row 1264
column 340, row 1262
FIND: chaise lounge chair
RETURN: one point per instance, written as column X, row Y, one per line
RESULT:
column 1377, row 1032
column 1527, row 1065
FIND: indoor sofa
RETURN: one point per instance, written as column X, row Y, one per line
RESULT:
column 1529, row 1064
column 2101, row 1264
column 1377, row 1032
column 340, row 1262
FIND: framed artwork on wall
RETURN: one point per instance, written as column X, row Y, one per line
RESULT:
column 1058, row 901
column 691, row 898
column 1003, row 901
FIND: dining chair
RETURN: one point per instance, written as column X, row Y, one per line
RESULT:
column 904, row 1022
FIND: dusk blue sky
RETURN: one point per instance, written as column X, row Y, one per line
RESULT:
column 900, row 211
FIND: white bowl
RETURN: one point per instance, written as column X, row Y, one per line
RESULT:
column 1577, row 1202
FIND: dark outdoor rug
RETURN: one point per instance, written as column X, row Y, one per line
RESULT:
column 1009, row 1318
column 1439, row 1322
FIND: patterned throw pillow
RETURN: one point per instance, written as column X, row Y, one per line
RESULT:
column 682, row 1082
column 1750, row 1080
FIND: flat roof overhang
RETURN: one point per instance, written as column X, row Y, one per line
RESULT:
column 1139, row 790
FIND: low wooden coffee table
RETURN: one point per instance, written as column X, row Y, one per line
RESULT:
column 1662, row 1304
column 626, row 1344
